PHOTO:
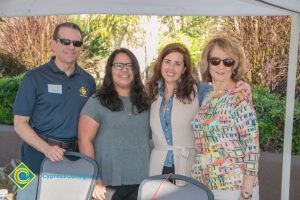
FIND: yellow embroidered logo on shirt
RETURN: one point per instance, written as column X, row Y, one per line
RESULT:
column 22, row 176
column 82, row 91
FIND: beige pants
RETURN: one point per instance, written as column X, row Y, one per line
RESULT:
column 233, row 194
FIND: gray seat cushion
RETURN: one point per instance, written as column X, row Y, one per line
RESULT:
column 72, row 178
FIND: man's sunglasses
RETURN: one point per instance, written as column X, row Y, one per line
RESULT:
column 120, row 66
column 227, row 62
column 66, row 42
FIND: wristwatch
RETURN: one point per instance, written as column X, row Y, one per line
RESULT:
column 246, row 195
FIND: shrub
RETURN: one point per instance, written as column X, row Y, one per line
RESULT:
column 266, row 44
column 10, row 66
column 270, row 110
column 8, row 90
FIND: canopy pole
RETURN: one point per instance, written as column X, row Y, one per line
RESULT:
column 290, row 101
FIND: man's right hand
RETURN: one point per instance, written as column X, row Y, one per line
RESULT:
column 54, row 153
column 24, row 130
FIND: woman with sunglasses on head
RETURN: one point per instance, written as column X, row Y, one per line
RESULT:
column 175, row 97
column 225, row 127
column 114, row 128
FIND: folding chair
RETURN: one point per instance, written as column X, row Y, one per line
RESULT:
column 73, row 178
column 159, row 188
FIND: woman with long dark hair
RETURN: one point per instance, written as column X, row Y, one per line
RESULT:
column 114, row 128
column 173, row 92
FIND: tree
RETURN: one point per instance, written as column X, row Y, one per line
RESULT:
column 28, row 38
column 266, row 45
column 188, row 30
column 104, row 33
column 112, row 31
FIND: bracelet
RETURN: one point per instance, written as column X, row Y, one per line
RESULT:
column 246, row 195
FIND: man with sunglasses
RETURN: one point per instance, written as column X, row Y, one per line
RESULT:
column 48, row 104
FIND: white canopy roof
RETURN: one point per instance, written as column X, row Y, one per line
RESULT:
column 13, row 8
column 149, row 7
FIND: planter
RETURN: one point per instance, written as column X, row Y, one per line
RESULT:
column 270, row 172
column 10, row 145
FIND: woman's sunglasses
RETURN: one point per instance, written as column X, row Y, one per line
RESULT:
column 227, row 62
column 66, row 42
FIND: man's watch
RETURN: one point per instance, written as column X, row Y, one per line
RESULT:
column 246, row 195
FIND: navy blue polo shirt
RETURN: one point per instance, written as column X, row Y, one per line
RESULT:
column 53, row 102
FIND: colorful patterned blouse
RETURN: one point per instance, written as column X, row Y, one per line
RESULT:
column 226, row 139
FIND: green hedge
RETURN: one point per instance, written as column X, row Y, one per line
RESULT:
column 270, row 109
column 8, row 90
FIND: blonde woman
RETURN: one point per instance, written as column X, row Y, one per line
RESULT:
column 225, row 127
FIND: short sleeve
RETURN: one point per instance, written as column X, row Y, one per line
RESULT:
column 26, row 96
column 92, row 108
column 92, row 85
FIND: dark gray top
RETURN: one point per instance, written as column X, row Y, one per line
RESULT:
column 122, row 142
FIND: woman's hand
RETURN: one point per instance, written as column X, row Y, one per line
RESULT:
column 247, row 189
column 99, row 190
column 245, row 88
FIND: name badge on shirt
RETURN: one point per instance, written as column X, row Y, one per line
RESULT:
column 55, row 89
